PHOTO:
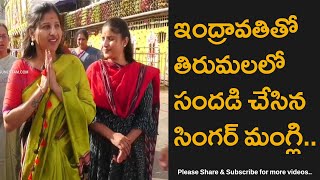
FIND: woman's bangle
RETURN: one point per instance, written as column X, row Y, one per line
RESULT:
column 41, row 89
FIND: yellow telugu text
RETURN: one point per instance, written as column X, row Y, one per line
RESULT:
column 266, row 98
column 217, row 32
column 226, row 66
column 254, row 137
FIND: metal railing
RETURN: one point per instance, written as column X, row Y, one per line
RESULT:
column 153, row 57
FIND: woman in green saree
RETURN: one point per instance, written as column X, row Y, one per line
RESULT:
column 49, row 98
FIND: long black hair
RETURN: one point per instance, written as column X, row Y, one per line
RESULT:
column 33, row 19
column 120, row 26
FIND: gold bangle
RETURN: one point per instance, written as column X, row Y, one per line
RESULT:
column 40, row 88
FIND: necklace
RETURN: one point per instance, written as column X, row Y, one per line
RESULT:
column 42, row 67
column 34, row 67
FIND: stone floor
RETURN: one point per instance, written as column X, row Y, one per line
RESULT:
column 158, row 173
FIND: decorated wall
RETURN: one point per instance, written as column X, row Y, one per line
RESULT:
column 147, row 20
column 16, row 13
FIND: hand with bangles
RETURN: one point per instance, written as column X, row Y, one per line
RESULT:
column 44, row 83
column 48, row 78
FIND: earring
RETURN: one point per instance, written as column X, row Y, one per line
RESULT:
column 32, row 43
column 124, row 45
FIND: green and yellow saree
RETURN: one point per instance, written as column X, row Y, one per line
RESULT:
column 57, row 145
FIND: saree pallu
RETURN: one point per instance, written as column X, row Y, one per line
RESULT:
column 57, row 145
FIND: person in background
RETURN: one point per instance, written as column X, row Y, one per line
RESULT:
column 65, row 48
column 49, row 98
column 127, row 94
column 9, row 142
column 164, row 158
column 85, row 53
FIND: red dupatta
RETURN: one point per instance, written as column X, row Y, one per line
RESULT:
column 125, row 86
